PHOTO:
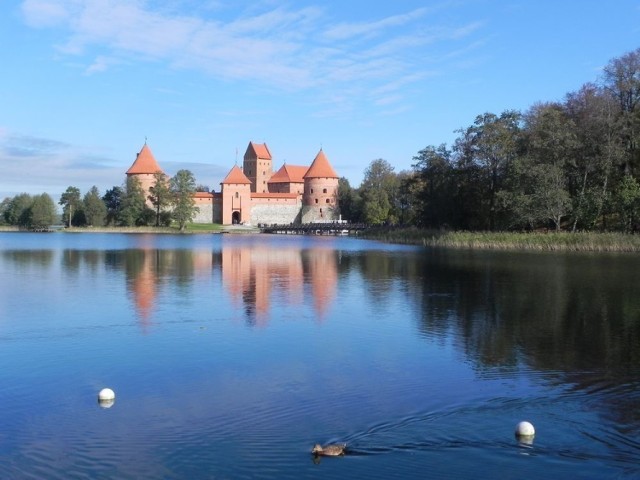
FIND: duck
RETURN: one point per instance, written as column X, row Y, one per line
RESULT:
column 334, row 450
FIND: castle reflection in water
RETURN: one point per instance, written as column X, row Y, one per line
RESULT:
column 253, row 276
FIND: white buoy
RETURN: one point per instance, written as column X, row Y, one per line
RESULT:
column 106, row 395
column 525, row 429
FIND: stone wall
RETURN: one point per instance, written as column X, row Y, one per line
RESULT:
column 209, row 213
column 205, row 215
column 217, row 213
column 278, row 214
column 319, row 214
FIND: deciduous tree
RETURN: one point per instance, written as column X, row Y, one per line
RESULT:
column 551, row 145
column 628, row 203
column 42, row 213
column 433, row 186
column 380, row 193
column 491, row 143
column 348, row 200
column 16, row 211
column 4, row 206
column 183, row 187
column 622, row 80
column 160, row 194
column 95, row 210
column 133, row 204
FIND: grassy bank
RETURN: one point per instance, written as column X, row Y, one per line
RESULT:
column 191, row 229
column 562, row 241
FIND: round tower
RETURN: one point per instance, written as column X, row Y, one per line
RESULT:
column 320, row 198
column 144, row 168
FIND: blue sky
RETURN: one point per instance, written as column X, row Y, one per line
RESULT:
column 84, row 82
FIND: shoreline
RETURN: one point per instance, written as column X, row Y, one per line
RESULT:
column 509, row 241
column 200, row 229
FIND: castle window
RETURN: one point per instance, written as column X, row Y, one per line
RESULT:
column 324, row 190
column 316, row 200
column 237, row 194
column 328, row 201
column 312, row 190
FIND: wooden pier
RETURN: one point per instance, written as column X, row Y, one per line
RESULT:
column 315, row 229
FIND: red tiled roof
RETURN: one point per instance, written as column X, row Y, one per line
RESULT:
column 144, row 162
column 289, row 174
column 236, row 176
column 260, row 150
column 321, row 168
column 203, row 194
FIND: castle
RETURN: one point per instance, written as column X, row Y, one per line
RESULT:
column 255, row 195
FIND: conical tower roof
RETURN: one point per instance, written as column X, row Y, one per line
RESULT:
column 321, row 168
column 236, row 176
column 145, row 162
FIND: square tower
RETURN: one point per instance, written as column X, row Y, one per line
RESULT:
column 258, row 166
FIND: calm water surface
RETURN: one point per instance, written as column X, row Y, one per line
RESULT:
column 231, row 356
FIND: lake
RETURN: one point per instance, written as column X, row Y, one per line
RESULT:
column 232, row 355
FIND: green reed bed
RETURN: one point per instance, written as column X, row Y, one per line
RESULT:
column 553, row 241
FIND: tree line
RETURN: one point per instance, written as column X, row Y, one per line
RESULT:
column 566, row 165
column 172, row 200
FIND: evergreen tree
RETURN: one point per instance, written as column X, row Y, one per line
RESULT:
column 113, row 202
column 70, row 201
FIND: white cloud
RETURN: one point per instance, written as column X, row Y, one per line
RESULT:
column 277, row 46
column 51, row 165
column 100, row 64
column 345, row 31
column 43, row 13
column 388, row 100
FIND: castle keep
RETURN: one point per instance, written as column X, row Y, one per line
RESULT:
column 255, row 195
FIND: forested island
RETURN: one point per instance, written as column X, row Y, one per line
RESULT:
column 567, row 166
